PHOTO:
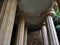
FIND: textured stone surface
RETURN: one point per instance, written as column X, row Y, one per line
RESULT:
column 34, row 38
column 34, row 8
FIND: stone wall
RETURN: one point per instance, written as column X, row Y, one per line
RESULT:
column 34, row 38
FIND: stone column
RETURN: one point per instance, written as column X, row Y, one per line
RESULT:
column 45, row 36
column 25, row 37
column 41, row 38
column 3, row 11
column 4, row 22
column 20, row 35
column 51, row 29
column 8, row 22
